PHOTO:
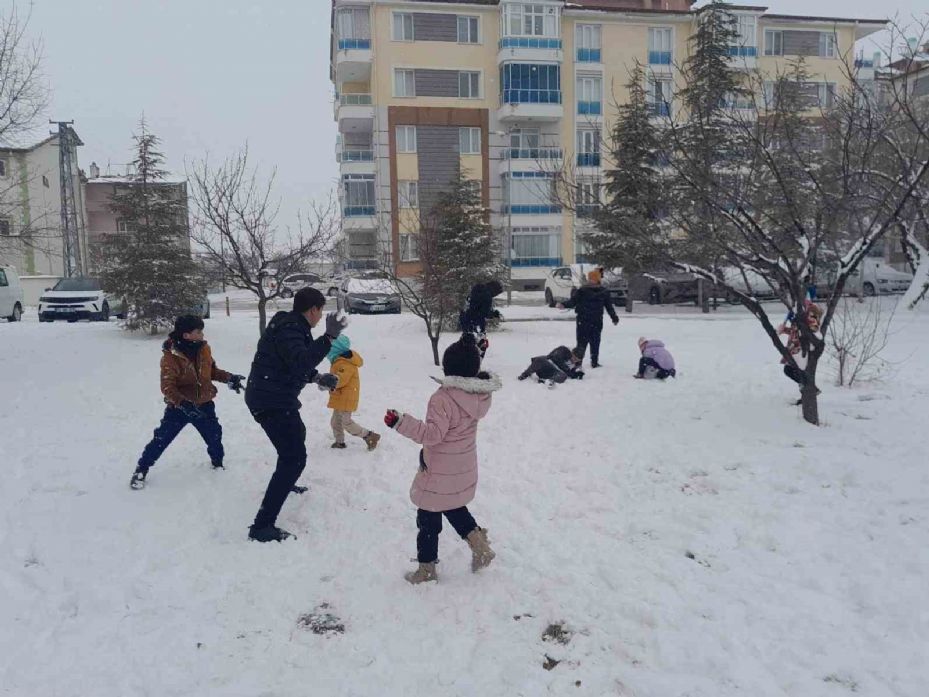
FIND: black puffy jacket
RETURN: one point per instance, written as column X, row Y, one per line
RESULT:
column 589, row 302
column 284, row 363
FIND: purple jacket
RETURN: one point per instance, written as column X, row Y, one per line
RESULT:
column 449, row 440
column 655, row 350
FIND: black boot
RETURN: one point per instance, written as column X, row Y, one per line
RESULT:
column 268, row 533
column 217, row 465
column 299, row 489
column 138, row 479
column 594, row 363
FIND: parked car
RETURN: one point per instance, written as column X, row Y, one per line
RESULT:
column 872, row 277
column 73, row 299
column 562, row 281
column 368, row 295
column 11, row 294
column 755, row 287
column 291, row 284
column 658, row 287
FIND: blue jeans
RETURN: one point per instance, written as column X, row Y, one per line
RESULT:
column 173, row 422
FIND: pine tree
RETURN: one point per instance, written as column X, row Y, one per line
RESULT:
column 150, row 266
column 626, row 228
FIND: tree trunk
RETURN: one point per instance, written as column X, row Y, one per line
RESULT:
column 629, row 301
column 809, row 393
column 434, row 340
column 262, row 314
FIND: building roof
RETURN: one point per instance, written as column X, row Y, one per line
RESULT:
column 117, row 179
column 29, row 148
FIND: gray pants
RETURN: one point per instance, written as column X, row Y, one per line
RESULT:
column 342, row 422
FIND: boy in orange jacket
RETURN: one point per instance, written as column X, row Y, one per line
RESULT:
column 344, row 398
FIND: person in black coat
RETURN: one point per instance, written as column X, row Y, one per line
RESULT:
column 556, row 367
column 480, row 307
column 589, row 302
column 285, row 362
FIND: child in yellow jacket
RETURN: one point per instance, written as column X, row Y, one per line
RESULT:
column 344, row 398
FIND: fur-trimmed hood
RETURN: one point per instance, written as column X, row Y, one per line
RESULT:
column 471, row 394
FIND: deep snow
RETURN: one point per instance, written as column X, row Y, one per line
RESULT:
column 695, row 537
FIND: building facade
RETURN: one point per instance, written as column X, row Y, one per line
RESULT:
column 31, row 236
column 509, row 93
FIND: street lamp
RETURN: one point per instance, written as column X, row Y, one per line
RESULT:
column 509, row 214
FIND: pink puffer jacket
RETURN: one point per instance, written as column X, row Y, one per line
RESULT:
column 449, row 440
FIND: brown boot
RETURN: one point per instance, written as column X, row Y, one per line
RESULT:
column 425, row 572
column 481, row 553
column 371, row 439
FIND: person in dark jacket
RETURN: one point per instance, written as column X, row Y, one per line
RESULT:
column 188, row 372
column 556, row 367
column 285, row 362
column 480, row 307
column 589, row 302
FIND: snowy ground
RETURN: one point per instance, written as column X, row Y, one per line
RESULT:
column 695, row 538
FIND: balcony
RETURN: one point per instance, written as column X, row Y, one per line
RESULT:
column 353, row 59
column 529, row 48
column 532, row 209
column 743, row 57
column 356, row 160
column 530, row 105
column 354, row 112
column 359, row 218
column 527, row 262
column 588, row 55
column 533, row 154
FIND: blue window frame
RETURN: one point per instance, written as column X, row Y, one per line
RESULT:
column 529, row 42
column 659, row 58
column 589, row 108
column 530, row 83
column 345, row 44
column 588, row 55
column 743, row 51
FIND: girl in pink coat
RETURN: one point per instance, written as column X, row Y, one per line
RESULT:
column 447, row 476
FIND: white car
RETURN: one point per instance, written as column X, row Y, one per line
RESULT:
column 297, row 281
column 368, row 296
column 872, row 277
column 11, row 294
column 73, row 299
column 562, row 281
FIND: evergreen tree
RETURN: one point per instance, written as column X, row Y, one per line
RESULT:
column 149, row 265
column 626, row 227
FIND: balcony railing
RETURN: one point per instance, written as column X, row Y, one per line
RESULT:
column 531, row 96
column 346, row 44
column 589, row 108
column 536, row 261
column 659, row 58
column 743, row 51
column 529, row 42
column 588, row 159
column 354, row 99
column 357, row 211
column 357, row 155
column 532, row 154
column 588, row 55
column 532, row 209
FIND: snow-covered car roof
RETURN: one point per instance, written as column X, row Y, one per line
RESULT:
column 371, row 285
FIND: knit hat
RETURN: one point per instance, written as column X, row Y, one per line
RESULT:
column 463, row 357
column 185, row 324
column 340, row 345
column 595, row 276
column 642, row 341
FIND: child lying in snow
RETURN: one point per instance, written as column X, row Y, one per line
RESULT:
column 559, row 365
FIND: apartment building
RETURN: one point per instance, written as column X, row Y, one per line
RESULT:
column 507, row 93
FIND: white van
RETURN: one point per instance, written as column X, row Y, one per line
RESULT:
column 875, row 277
column 11, row 294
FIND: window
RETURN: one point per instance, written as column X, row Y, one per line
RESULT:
column 469, row 85
column 469, row 141
column 467, row 30
column 404, row 83
column 5, row 230
column 530, row 193
column 2, row 168
column 45, row 182
column 358, row 194
column 588, row 198
column 123, row 226
column 588, row 95
column 408, row 194
column 530, row 19
column 3, row 280
column 588, row 43
column 825, row 94
column 409, row 247
column 773, row 42
column 659, row 46
column 588, row 148
column 538, row 246
column 745, row 42
column 406, row 138
column 354, row 28
column 827, row 45
column 403, row 26
column 530, row 83
column 659, row 97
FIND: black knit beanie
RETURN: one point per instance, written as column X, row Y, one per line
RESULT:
column 185, row 324
column 463, row 357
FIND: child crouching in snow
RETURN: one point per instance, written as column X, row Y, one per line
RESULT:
column 656, row 361
column 344, row 398
column 447, row 476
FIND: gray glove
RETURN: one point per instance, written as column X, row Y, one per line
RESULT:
column 326, row 381
column 335, row 325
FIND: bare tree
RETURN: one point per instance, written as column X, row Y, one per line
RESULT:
column 24, row 97
column 235, row 225
column 858, row 334
column 457, row 248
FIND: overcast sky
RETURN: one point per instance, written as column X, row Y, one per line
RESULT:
column 211, row 74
